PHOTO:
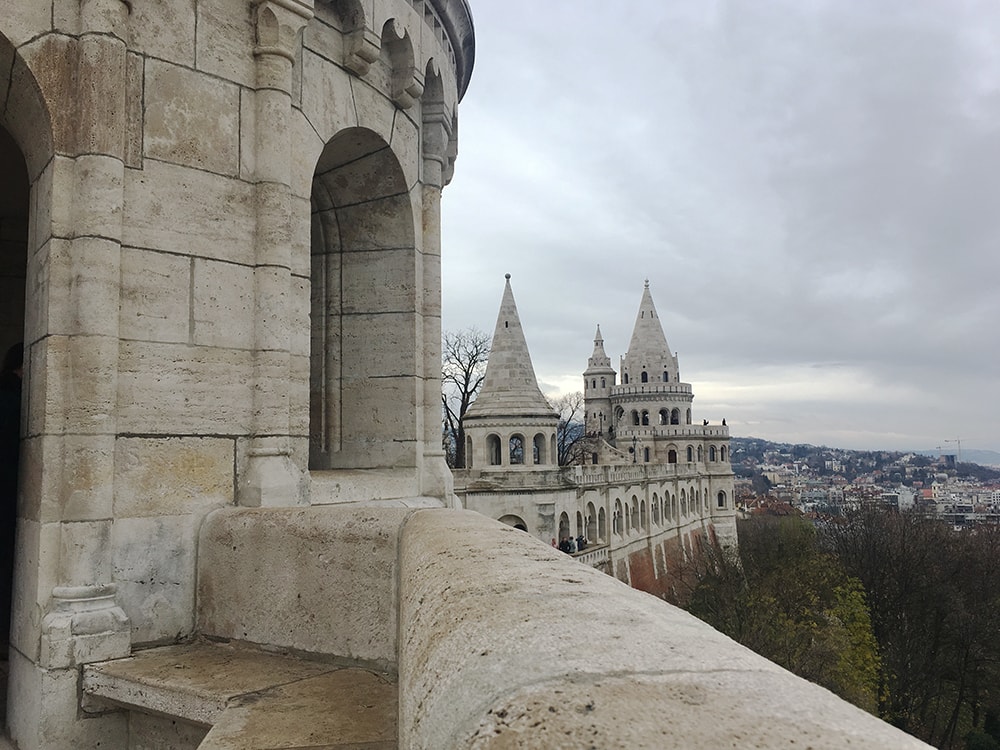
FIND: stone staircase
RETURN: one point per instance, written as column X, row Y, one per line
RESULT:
column 227, row 696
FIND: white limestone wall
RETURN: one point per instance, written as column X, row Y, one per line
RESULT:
column 507, row 643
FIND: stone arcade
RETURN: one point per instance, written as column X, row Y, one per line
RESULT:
column 219, row 223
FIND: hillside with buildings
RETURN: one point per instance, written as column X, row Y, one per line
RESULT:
column 829, row 480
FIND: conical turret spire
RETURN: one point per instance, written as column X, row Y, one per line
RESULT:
column 599, row 358
column 509, row 387
column 648, row 342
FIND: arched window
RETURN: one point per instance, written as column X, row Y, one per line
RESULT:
column 625, row 378
column 721, row 499
column 516, row 449
column 645, row 417
column 664, row 416
column 655, row 505
column 643, row 519
column 688, row 417
column 722, row 452
column 635, row 417
column 644, row 377
column 603, row 383
column 690, row 454
column 671, row 456
column 616, row 519
column 684, row 504
column 602, row 524
column 666, row 376
column 645, row 454
column 579, row 523
column 635, row 513
column 538, row 449
column 493, row 450
column 563, row 526
column 593, row 458
column 700, row 454
column 711, row 453
column 675, row 416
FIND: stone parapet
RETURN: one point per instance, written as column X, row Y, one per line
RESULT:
column 505, row 642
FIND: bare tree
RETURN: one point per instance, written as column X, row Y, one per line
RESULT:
column 570, row 432
column 463, row 366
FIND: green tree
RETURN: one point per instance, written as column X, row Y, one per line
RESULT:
column 787, row 599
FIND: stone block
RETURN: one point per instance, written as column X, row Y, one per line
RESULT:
column 383, row 224
column 386, row 338
column 25, row 21
column 155, row 295
column 375, row 110
column 318, row 579
column 165, row 30
column 173, row 388
column 83, row 558
column 222, row 306
column 72, row 385
column 154, row 563
column 66, row 477
column 327, row 98
column 192, row 119
column 225, row 42
column 172, row 476
column 405, row 143
column 379, row 282
column 38, row 97
column 190, row 212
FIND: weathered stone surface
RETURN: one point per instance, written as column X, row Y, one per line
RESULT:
column 319, row 580
column 165, row 30
column 179, row 389
column 485, row 662
column 191, row 118
column 148, row 732
column 222, row 313
column 155, row 296
column 172, row 476
column 189, row 211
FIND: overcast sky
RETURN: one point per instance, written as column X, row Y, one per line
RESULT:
column 812, row 188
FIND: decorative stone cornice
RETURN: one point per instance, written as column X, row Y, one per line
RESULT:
column 278, row 23
column 456, row 17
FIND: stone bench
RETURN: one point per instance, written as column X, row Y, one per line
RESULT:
column 225, row 696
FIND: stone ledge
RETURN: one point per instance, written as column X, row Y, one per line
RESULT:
column 252, row 699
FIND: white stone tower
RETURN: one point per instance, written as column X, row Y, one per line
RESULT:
column 650, row 395
column 598, row 380
column 511, row 423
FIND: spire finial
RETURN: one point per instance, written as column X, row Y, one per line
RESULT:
column 647, row 283
column 507, row 276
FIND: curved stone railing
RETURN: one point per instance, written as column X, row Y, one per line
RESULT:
column 505, row 642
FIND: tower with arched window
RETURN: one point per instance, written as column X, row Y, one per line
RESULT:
column 510, row 424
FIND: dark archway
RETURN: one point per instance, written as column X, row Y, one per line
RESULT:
column 14, row 216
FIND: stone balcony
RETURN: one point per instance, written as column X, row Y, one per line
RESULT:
column 486, row 637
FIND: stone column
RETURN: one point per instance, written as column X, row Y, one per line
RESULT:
column 269, row 476
column 436, row 478
column 82, row 621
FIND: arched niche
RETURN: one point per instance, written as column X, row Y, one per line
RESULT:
column 364, row 367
